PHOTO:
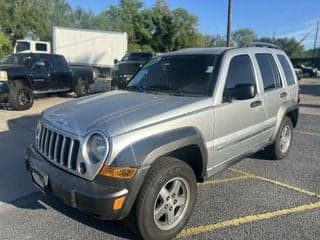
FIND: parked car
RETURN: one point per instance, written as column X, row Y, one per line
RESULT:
column 24, row 75
column 127, row 67
column 184, row 117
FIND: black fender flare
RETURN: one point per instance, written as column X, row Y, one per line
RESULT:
column 144, row 152
column 285, row 108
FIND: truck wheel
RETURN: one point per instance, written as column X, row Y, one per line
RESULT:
column 20, row 97
column 82, row 88
column 280, row 148
column 166, row 199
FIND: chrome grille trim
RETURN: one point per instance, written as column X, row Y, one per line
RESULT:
column 58, row 148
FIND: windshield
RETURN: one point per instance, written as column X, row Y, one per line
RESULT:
column 143, row 57
column 18, row 59
column 178, row 74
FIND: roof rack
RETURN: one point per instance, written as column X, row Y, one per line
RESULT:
column 263, row 44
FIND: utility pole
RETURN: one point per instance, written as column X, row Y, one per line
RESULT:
column 229, row 23
column 315, row 43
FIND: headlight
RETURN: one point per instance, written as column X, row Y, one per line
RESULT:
column 97, row 148
column 3, row 76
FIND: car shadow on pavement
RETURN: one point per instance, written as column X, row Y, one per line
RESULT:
column 313, row 90
column 16, row 187
column 117, row 228
column 309, row 105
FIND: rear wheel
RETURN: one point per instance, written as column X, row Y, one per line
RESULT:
column 280, row 148
column 166, row 200
column 20, row 97
column 82, row 88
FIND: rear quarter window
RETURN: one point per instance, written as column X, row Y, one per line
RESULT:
column 269, row 71
column 59, row 63
column 286, row 69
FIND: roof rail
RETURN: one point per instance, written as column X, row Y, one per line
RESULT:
column 263, row 44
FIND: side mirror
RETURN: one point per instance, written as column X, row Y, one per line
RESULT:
column 39, row 64
column 115, row 61
column 244, row 91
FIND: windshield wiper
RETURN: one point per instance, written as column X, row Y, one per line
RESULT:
column 134, row 88
column 156, row 87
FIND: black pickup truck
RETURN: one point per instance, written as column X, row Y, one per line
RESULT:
column 25, row 75
column 127, row 67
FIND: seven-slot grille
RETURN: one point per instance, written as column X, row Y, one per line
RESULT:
column 58, row 148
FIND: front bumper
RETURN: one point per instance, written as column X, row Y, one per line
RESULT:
column 94, row 197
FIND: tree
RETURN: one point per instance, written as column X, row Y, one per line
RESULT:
column 5, row 45
column 243, row 37
column 20, row 18
column 218, row 41
column 291, row 46
column 57, row 13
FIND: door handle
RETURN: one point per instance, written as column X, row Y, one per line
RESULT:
column 283, row 94
column 255, row 104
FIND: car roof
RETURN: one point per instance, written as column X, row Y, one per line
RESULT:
column 221, row 50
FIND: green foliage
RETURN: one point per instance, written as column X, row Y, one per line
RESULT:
column 243, row 37
column 5, row 45
column 20, row 18
column 291, row 46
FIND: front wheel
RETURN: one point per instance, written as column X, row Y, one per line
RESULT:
column 166, row 200
column 20, row 97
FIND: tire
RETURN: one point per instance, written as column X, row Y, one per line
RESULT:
column 20, row 97
column 281, row 146
column 82, row 88
column 163, row 176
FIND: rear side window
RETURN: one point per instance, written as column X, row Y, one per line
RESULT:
column 286, row 69
column 41, row 47
column 59, row 63
column 269, row 71
column 240, row 71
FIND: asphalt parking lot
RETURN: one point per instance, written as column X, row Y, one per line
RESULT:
column 255, row 199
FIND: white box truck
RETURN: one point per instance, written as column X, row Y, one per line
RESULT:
column 87, row 47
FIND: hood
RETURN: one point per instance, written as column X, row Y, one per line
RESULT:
column 117, row 112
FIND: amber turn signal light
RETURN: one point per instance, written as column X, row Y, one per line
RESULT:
column 118, row 172
column 118, row 203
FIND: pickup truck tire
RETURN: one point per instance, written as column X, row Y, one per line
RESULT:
column 166, row 199
column 82, row 88
column 281, row 146
column 20, row 97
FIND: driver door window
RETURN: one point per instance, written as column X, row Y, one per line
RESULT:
column 240, row 72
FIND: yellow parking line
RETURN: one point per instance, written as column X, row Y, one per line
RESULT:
column 297, row 189
column 217, row 181
column 309, row 133
column 247, row 219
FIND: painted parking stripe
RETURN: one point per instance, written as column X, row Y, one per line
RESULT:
column 308, row 133
column 297, row 189
column 247, row 219
column 224, row 180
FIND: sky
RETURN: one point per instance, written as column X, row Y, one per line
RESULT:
column 283, row 18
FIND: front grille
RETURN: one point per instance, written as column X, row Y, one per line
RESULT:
column 57, row 148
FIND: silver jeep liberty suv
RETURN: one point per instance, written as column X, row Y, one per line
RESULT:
column 183, row 117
